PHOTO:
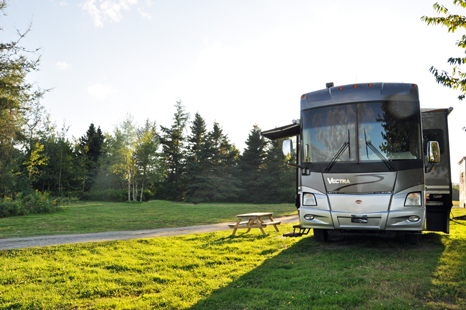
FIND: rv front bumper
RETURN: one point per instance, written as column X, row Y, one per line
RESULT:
column 408, row 219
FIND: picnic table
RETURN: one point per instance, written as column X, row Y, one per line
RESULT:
column 254, row 220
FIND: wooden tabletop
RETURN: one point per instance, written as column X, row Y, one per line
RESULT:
column 259, row 214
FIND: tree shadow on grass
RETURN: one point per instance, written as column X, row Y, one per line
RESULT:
column 357, row 272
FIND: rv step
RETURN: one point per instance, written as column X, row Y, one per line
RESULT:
column 302, row 231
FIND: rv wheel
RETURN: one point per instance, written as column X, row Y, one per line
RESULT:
column 412, row 239
column 320, row 235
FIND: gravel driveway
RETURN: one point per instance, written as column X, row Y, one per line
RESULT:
column 27, row 242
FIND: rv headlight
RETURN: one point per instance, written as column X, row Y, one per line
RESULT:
column 309, row 199
column 413, row 199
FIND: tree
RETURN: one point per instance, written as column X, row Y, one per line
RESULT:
column 108, row 177
column 36, row 159
column 147, row 161
column 61, row 173
column 91, row 146
column 127, row 136
column 225, row 156
column 211, row 161
column 457, row 79
column 16, row 96
column 198, row 154
column 277, row 179
column 250, row 166
column 174, row 154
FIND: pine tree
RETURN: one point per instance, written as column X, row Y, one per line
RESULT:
column 211, row 162
column 225, row 185
column 277, row 179
column 250, row 166
column 174, row 154
column 91, row 147
column 197, row 162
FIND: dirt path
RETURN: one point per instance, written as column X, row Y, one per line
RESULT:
column 27, row 242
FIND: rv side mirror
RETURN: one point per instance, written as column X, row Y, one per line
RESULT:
column 287, row 149
column 433, row 152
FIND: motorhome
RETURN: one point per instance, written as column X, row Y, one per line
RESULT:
column 369, row 160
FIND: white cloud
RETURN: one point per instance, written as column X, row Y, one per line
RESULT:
column 101, row 91
column 62, row 65
column 106, row 10
column 144, row 14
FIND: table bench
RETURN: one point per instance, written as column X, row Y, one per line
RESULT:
column 254, row 220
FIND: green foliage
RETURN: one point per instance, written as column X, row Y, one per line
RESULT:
column 36, row 203
column 457, row 79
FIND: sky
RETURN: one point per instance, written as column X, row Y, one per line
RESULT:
column 234, row 62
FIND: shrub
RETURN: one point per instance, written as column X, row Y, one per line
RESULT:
column 34, row 203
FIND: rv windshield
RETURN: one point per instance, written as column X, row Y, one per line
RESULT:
column 370, row 132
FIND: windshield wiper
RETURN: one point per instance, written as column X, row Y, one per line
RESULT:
column 376, row 152
column 340, row 152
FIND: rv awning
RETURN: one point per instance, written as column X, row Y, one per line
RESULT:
column 282, row 132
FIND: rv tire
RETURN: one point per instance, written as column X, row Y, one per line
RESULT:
column 320, row 235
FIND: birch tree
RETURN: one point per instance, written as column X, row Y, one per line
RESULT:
column 146, row 153
column 123, row 150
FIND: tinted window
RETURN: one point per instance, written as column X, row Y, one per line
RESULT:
column 325, row 132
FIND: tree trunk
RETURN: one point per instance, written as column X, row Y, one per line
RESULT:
column 59, row 175
column 135, row 189
column 142, row 188
column 129, row 186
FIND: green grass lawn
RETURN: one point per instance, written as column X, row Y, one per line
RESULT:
column 215, row 271
column 89, row 217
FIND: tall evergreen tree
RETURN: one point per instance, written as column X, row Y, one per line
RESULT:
column 250, row 165
column 91, row 147
column 197, row 162
column 210, row 165
column 224, row 162
column 174, row 154
column 277, row 179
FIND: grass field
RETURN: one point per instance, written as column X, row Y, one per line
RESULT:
column 215, row 271
column 89, row 217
